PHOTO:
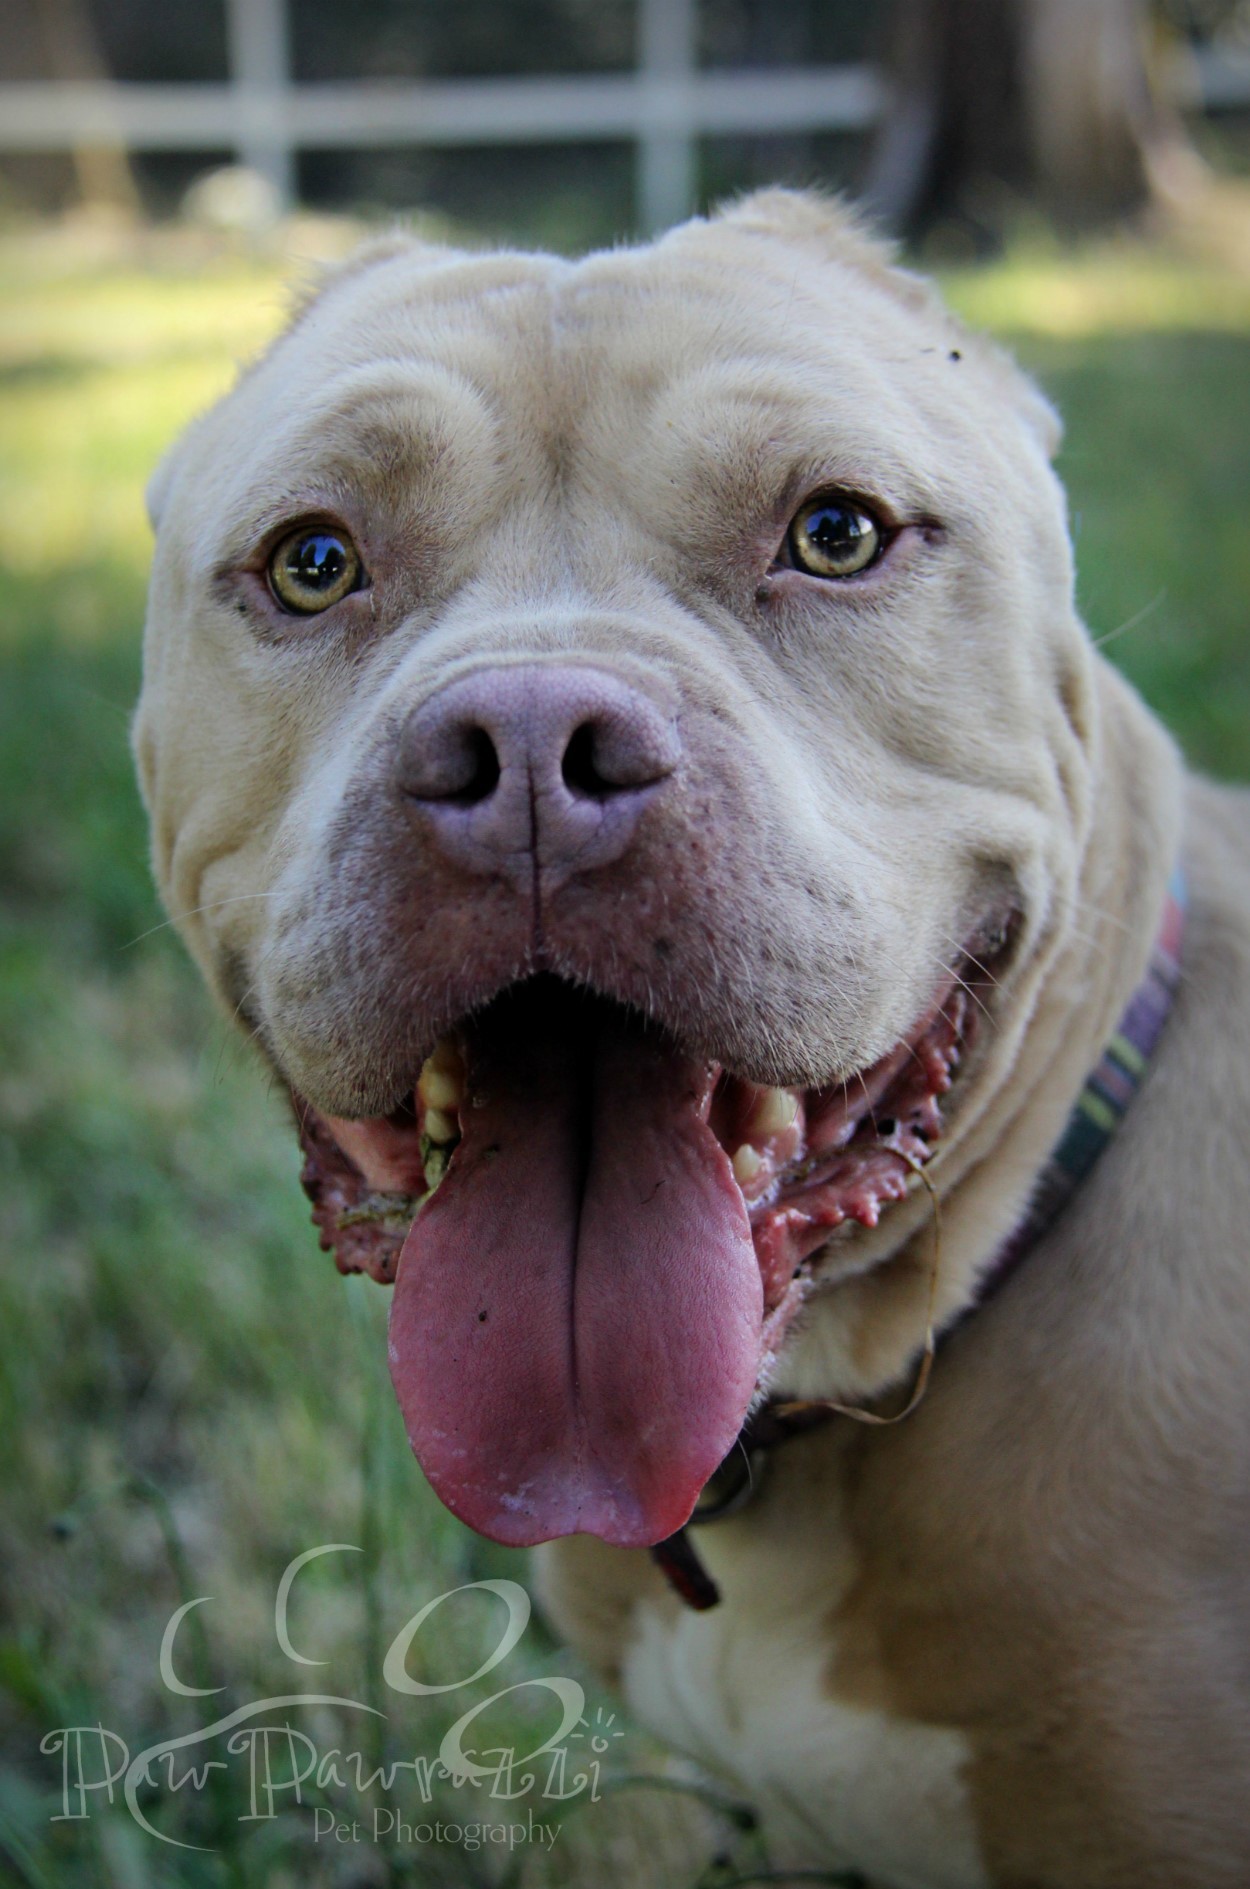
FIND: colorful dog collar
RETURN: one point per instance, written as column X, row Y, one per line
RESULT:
column 1109, row 1088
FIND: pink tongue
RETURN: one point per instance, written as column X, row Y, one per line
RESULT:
column 575, row 1331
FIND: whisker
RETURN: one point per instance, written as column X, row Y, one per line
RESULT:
column 976, row 963
column 1107, row 918
column 195, row 911
column 968, row 991
column 1139, row 616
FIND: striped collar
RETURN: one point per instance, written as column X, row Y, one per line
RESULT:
column 1096, row 1114
column 1103, row 1102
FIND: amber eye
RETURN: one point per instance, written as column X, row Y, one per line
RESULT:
column 313, row 568
column 834, row 537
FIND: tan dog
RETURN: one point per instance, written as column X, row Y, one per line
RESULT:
column 619, row 734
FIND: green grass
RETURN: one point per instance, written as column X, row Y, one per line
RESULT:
column 189, row 1394
column 1148, row 360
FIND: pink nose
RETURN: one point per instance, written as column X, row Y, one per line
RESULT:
column 545, row 764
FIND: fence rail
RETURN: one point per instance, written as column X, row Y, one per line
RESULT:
column 662, row 106
column 50, row 117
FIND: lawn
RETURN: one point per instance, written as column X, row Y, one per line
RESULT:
column 190, row 1395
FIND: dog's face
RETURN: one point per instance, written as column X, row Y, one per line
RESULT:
column 609, row 729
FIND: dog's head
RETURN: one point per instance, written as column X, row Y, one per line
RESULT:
column 611, row 729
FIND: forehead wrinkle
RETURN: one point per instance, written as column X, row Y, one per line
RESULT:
column 810, row 358
column 409, row 286
column 461, row 315
column 379, row 429
column 395, row 396
column 506, row 343
column 747, row 432
column 507, row 350
column 784, row 309
column 777, row 432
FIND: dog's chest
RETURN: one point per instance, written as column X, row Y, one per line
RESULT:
column 747, row 1690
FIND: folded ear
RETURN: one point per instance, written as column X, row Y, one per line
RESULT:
column 819, row 221
column 323, row 280
column 161, row 482
column 1042, row 419
column 835, row 231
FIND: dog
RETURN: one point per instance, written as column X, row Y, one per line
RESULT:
column 619, row 735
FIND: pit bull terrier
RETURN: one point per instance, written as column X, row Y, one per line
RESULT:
column 619, row 735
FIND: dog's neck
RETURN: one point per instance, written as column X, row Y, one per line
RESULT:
column 1101, row 1105
column 863, row 1333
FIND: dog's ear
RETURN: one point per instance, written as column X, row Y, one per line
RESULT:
column 157, row 489
column 832, row 229
column 324, row 280
column 161, row 482
column 825, row 223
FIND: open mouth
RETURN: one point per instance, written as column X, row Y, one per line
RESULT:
column 598, row 1243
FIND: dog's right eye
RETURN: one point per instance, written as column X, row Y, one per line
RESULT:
column 314, row 568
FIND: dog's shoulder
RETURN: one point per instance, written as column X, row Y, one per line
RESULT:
column 1195, row 1104
column 1217, row 871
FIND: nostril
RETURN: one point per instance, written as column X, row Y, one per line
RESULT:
column 579, row 767
column 456, row 764
column 479, row 775
column 616, row 754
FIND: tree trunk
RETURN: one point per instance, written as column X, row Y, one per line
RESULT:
column 991, row 100
column 102, row 165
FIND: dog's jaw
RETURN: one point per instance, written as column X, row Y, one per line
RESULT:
column 601, row 1243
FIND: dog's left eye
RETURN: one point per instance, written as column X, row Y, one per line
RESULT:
column 314, row 568
column 834, row 537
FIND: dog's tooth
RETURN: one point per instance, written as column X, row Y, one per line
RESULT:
column 746, row 1164
column 441, row 1082
column 440, row 1088
column 440, row 1126
column 446, row 1056
column 775, row 1111
column 435, row 1168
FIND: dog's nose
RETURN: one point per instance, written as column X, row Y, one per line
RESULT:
column 544, row 764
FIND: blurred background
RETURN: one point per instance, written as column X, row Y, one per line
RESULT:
column 189, row 1395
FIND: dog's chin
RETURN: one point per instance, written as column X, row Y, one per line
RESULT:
column 598, row 1240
